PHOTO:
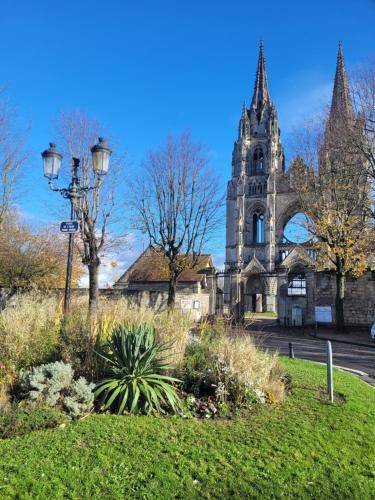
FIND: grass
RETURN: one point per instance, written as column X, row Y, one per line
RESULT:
column 305, row 448
column 268, row 315
column 33, row 330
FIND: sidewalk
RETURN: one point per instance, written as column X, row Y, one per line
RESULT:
column 353, row 350
column 360, row 337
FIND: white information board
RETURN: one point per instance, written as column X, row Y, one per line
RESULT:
column 323, row 314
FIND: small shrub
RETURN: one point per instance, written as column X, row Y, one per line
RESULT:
column 199, row 407
column 136, row 380
column 198, row 371
column 53, row 385
column 171, row 328
column 73, row 337
column 21, row 419
column 230, row 370
column 224, row 410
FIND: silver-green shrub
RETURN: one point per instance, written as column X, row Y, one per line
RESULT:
column 53, row 385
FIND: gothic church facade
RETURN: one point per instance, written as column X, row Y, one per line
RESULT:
column 261, row 263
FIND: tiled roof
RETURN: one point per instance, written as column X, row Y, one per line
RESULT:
column 152, row 266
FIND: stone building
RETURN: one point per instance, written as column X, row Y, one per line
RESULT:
column 264, row 270
column 259, row 204
column 145, row 283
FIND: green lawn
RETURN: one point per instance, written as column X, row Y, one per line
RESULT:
column 305, row 448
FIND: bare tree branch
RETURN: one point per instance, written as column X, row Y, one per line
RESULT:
column 176, row 202
column 12, row 157
column 95, row 208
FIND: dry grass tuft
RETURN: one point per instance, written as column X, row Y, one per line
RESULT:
column 253, row 368
column 29, row 329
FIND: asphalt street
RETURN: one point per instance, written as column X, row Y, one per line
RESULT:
column 268, row 335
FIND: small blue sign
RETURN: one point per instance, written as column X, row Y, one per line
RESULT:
column 69, row 226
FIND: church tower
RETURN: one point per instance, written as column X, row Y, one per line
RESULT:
column 268, row 268
column 341, row 105
column 257, row 164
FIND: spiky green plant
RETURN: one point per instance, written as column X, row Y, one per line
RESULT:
column 136, row 381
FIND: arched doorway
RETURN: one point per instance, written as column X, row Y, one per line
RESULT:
column 254, row 294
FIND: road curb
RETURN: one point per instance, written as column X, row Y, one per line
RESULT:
column 357, row 373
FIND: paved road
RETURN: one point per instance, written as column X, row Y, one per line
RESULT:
column 268, row 335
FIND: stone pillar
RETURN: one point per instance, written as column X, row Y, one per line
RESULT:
column 237, row 298
column 282, row 302
column 310, row 276
column 270, row 303
column 258, row 303
column 211, row 278
column 270, row 291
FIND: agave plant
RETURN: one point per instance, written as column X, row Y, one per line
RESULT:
column 136, row 366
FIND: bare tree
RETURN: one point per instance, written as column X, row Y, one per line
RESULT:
column 12, row 157
column 176, row 202
column 95, row 208
column 331, row 180
column 363, row 97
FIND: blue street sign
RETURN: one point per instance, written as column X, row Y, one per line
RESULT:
column 69, row 226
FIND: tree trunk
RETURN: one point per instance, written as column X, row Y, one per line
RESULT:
column 93, row 309
column 172, row 292
column 340, row 294
column 93, row 288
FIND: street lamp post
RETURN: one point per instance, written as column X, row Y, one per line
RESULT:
column 74, row 192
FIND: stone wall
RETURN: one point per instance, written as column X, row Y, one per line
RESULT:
column 359, row 303
column 162, row 287
column 198, row 305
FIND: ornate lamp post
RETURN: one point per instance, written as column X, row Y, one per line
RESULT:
column 51, row 166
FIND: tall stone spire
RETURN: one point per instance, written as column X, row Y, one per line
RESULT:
column 244, row 110
column 341, row 101
column 261, row 95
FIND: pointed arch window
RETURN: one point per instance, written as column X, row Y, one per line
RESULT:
column 258, row 227
column 258, row 161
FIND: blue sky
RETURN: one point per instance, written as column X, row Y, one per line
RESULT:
column 148, row 68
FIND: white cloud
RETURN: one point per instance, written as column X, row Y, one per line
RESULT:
column 115, row 262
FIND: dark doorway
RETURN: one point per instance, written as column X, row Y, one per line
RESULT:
column 256, row 302
column 253, row 302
